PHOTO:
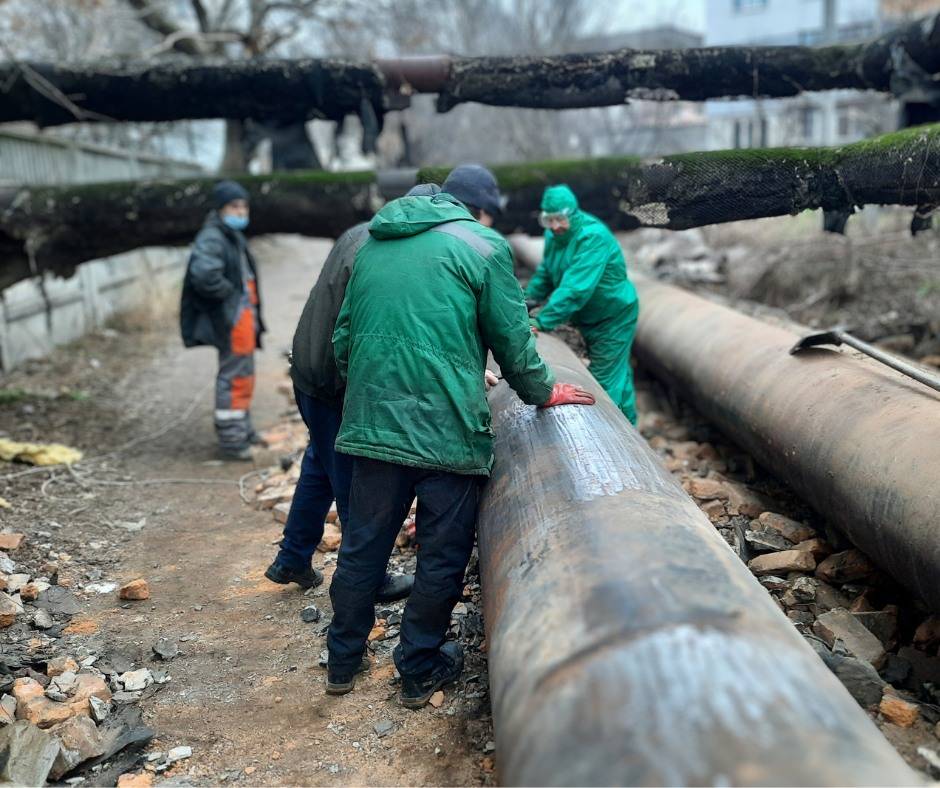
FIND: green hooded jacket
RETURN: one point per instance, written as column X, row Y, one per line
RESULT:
column 431, row 291
column 583, row 275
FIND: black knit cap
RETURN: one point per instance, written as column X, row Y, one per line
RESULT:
column 225, row 192
column 475, row 186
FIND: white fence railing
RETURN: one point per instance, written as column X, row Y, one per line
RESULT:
column 33, row 159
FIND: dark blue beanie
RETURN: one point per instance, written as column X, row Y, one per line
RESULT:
column 475, row 186
column 225, row 192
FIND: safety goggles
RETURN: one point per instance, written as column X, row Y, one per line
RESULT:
column 547, row 219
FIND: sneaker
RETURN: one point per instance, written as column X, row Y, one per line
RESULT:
column 395, row 587
column 340, row 684
column 305, row 578
column 417, row 690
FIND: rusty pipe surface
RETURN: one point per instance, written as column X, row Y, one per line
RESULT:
column 857, row 441
column 628, row 645
column 415, row 73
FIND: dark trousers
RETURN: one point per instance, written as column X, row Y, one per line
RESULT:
column 382, row 493
column 325, row 476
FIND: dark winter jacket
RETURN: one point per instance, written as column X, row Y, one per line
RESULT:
column 214, row 287
column 313, row 365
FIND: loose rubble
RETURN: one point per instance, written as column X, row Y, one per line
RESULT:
column 879, row 642
column 56, row 702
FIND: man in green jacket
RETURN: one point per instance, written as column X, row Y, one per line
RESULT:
column 583, row 277
column 325, row 475
column 431, row 291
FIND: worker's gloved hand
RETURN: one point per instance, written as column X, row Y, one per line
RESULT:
column 490, row 379
column 534, row 326
column 568, row 394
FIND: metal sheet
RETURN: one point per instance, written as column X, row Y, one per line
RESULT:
column 628, row 645
column 856, row 440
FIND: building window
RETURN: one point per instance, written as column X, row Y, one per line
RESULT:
column 808, row 122
column 748, row 5
column 855, row 121
column 743, row 133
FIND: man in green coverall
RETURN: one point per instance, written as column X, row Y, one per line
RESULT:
column 583, row 281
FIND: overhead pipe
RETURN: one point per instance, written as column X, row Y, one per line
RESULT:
column 628, row 644
column 856, row 440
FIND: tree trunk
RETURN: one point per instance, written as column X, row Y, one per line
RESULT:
column 187, row 89
column 62, row 227
column 234, row 157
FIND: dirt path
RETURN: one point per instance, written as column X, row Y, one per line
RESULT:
column 246, row 692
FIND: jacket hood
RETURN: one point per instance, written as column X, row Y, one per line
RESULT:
column 556, row 199
column 409, row 216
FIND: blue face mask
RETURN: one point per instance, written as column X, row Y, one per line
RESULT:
column 235, row 222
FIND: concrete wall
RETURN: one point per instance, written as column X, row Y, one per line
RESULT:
column 36, row 316
column 40, row 314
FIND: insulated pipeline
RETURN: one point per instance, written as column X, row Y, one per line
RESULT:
column 856, row 440
column 628, row 644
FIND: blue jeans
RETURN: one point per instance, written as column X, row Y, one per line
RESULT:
column 382, row 493
column 325, row 476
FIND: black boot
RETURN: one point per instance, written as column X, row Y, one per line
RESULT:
column 340, row 684
column 395, row 587
column 417, row 690
column 305, row 578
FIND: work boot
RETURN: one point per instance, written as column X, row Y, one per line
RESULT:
column 255, row 439
column 340, row 684
column 395, row 587
column 417, row 690
column 310, row 577
column 237, row 455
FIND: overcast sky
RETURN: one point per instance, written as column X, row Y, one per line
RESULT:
column 633, row 14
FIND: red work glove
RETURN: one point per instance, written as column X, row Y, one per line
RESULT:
column 568, row 394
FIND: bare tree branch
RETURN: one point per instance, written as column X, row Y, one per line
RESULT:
column 158, row 22
column 220, row 37
column 202, row 15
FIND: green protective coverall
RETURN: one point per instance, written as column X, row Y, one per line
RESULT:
column 583, row 276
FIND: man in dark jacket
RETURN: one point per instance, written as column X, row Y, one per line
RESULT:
column 318, row 389
column 432, row 290
column 221, row 307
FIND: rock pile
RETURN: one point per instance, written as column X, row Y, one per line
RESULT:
column 881, row 643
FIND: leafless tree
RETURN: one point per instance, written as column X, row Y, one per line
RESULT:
column 245, row 28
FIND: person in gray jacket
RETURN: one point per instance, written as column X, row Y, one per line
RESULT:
column 221, row 307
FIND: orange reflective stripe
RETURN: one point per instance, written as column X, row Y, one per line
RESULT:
column 253, row 291
column 243, row 334
column 242, row 389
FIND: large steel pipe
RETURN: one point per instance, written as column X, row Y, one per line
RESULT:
column 628, row 644
column 855, row 439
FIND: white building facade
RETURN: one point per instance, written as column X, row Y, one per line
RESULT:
column 811, row 119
